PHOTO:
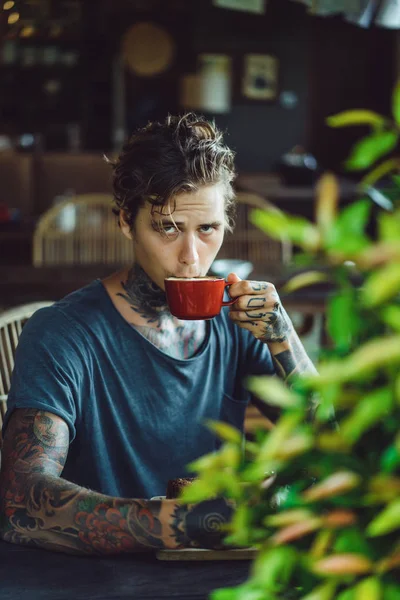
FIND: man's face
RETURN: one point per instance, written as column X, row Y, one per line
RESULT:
column 185, row 243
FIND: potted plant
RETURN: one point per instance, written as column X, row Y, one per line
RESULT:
column 329, row 527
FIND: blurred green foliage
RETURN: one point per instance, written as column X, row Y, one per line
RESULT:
column 329, row 525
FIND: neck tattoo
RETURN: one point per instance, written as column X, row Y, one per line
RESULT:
column 148, row 301
column 144, row 297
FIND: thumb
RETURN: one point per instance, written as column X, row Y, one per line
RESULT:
column 233, row 278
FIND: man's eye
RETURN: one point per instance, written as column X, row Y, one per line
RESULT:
column 170, row 230
column 207, row 229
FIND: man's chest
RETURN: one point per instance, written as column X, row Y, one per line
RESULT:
column 181, row 342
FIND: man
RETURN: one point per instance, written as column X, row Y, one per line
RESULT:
column 110, row 392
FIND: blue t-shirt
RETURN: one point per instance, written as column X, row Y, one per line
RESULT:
column 136, row 415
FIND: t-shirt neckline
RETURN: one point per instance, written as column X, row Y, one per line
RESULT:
column 204, row 347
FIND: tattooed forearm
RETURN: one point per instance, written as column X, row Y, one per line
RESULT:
column 56, row 514
column 288, row 366
column 38, row 508
column 291, row 359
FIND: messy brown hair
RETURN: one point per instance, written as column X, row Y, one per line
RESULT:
column 162, row 160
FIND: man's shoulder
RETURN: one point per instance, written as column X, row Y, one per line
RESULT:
column 73, row 313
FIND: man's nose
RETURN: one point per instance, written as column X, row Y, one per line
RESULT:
column 188, row 252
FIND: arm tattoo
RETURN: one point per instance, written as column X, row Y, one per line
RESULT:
column 293, row 361
column 287, row 365
column 39, row 508
column 202, row 525
column 143, row 296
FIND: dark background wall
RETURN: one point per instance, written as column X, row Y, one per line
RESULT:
column 328, row 64
column 261, row 132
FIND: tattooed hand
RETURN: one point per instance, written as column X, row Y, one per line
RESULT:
column 259, row 310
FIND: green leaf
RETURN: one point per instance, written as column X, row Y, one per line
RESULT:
column 199, row 490
column 241, row 526
column 352, row 539
column 242, row 592
column 347, row 234
column 369, row 589
column 354, row 218
column 369, row 411
column 207, row 462
column 381, row 285
column 396, row 103
column 274, row 566
column 389, row 226
column 303, row 280
column 396, row 179
column 356, row 117
column 369, row 149
column 342, row 319
column 323, row 592
column 390, row 460
column 225, row 431
column 278, row 436
column 326, row 207
column 380, row 171
column 387, row 521
column 230, row 455
column 391, row 316
column 366, row 360
column 272, row 391
column 225, row 594
column 347, row 594
column 280, row 226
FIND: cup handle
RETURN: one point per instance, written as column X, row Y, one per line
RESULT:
column 233, row 300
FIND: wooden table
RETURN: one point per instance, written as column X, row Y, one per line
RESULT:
column 34, row 574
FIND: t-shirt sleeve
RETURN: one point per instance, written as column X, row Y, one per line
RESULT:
column 48, row 367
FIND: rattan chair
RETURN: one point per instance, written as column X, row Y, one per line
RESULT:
column 11, row 324
column 249, row 243
column 81, row 230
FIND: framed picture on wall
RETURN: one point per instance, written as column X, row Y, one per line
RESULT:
column 259, row 82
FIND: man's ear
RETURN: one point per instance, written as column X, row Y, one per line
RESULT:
column 125, row 227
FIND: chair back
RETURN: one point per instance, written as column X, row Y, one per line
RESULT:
column 81, row 230
column 249, row 243
column 11, row 324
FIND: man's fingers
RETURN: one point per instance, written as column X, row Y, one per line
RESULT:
column 252, row 303
column 249, row 325
column 233, row 278
column 243, row 288
column 250, row 315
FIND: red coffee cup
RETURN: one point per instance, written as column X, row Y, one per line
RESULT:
column 197, row 298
